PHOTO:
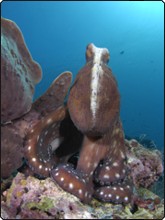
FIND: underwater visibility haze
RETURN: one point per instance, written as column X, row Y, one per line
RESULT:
column 58, row 32
column 82, row 103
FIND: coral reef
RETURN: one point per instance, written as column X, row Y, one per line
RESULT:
column 158, row 187
column 145, row 165
column 36, row 198
column 31, row 198
column 11, row 151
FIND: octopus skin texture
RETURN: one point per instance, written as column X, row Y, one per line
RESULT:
column 94, row 106
column 44, row 136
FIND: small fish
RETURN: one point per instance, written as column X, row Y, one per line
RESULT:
column 122, row 52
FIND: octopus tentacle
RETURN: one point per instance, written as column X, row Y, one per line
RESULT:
column 73, row 182
column 42, row 140
column 113, row 168
column 121, row 193
column 112, row 173
column 80, row 178
column 92, row 151
column 54, row 96
column 44, row 136
column 106, row 174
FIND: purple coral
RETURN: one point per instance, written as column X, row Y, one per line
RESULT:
column 146, row 165
column 30, row 198
column 11, row 151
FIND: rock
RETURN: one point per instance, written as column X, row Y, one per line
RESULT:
column 31, row 198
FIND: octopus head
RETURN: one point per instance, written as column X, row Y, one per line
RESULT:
column 94, row 99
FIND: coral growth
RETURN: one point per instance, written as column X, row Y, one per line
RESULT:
column 41, row 199
column 31, row 198
column 145, row 165
column 11, row 151
column 19, row 73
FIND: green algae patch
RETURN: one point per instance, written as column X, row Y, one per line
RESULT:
column 23, row 182
column 45, row 204
column 147, row 194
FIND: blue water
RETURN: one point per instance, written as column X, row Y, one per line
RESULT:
column 57, row 33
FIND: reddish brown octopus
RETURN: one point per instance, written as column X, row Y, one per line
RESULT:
column 94, row 104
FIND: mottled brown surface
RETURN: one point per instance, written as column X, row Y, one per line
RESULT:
column 55, row 95
column 11, row 151
column 39, row 138
column 19, row 73
column 45, row 107
column 108, row 99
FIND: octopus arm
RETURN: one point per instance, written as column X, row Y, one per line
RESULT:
column 73, row 182
column 55, row 95
column 121, row 193
column 79, row 181
column 41, row 141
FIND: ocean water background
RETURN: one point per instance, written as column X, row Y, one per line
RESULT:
column 58, row 32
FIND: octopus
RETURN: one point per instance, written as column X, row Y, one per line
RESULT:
column 94, row 104
column 93, row 107
column 49, row 131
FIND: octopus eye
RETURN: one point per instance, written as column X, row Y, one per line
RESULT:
column 89, row 46
column 89, row 51
column 106, row 56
